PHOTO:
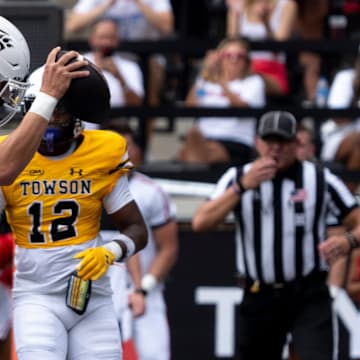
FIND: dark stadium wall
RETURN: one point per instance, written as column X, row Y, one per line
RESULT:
column 203, row 297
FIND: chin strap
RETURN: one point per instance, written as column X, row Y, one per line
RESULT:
column 78, row 128
column 56, row 135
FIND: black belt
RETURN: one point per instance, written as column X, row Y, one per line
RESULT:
column 255, row 286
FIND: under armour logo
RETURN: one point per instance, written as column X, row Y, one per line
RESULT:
column 75, row 170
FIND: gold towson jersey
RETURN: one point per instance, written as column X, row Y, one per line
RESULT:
column 57, row 202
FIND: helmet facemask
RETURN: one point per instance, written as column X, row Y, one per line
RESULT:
column 63, row 129
column 11, row 95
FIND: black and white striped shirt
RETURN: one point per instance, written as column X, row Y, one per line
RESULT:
column 280, row 224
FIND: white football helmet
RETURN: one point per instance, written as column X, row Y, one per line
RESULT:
column 14, row 67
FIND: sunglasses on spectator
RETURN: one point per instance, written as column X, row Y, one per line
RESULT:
column 235, row 56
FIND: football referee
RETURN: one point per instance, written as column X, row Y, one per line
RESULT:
column 281, row 207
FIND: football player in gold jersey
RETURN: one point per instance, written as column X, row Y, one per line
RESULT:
column 62, row 296
column 22, row 143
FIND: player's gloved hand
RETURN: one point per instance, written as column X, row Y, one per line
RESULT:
column 94, row 263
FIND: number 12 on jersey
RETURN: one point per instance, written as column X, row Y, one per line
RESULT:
column 61, row 228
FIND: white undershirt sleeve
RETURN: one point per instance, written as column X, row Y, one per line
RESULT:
column 118, row 197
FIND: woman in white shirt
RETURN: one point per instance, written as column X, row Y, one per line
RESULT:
column 224, row 81
column 261, row 20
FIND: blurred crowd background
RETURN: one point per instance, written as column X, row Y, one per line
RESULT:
column 299, row 49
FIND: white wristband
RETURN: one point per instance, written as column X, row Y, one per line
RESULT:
column 148, row 282
column 43, row 105
column 129, row 244
column 114, row 248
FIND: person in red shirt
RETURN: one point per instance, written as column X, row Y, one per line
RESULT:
column 6, row 269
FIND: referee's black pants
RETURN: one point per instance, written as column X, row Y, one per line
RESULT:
column 268, row 313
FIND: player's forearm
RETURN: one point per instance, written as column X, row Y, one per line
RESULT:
column 134, row 269
column 166, row 239
column 163, row 263
column 138, row 233
column 133, row 233
column 19, row 147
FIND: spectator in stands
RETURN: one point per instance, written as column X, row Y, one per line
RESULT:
column 137, row 20
column 310, row 25
column 306, row 149
column 123, row 76
column 261, row 20
column 341, row 136
column 225, row 80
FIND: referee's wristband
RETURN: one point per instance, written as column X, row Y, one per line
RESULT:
column 350, row 237
column 43, row 105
